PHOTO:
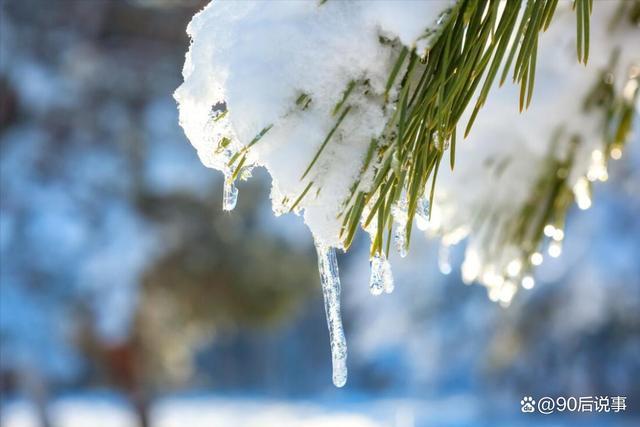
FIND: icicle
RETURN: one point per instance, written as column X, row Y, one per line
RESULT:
column 400, row 217
column 381, row 278
column 422, row 214
column 387, row 276
column 376, row 280
column 330, row 279
column 582, row 192
column 443, row 260
column 471, row 266
column 229, row 194
column 506, row 293
column 400, row 239
column 246, row 173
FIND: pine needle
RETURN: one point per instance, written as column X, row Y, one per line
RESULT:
column 301, row 196
column 326, row 140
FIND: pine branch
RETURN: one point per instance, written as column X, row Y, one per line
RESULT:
column 434, row 91
column 544, row 213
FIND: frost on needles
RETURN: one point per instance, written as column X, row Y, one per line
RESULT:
column 355, row 108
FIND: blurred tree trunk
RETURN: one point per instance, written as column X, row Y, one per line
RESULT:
column 141, row 405
column 36, row 389
column 124, row 364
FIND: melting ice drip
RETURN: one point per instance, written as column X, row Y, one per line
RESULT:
column 400, row 217
column 381, row 277
column 422, row 213
column 444, row 264
column 229, row 194
column 330, row 279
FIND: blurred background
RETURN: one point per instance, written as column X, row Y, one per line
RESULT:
column 128, row 298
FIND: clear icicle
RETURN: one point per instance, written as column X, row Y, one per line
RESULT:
column 400, row 217
column 422, row 214
column 330, row 279
column 229, row 194
column 381, row 279
column 387, row 276
column 443, row 259
column 400, row 239
column 376, row 280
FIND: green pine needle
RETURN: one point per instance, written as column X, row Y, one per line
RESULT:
column 301, row 196
column 326, row 140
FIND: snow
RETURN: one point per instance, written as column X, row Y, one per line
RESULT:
column 195, row 410
column 259, row 58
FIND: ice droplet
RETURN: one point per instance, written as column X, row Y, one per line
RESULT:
column 229, row 195
column 330, row 279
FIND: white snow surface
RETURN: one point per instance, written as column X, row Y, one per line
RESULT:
column 200, row 410
column 259, row 57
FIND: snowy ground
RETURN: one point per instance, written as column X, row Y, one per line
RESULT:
column 215, row 411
